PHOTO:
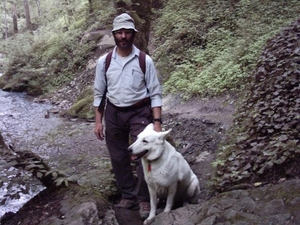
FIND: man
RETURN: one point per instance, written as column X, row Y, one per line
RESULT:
column 134, row 100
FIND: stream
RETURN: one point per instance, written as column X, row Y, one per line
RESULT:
column 68, row 146
column 22, row 122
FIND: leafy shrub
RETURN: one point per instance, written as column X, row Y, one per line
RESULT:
column 216, row 42
column 265, row 136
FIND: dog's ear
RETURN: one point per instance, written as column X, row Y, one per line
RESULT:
column 163, row 135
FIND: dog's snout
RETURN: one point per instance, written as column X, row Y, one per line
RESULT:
column 129, row 149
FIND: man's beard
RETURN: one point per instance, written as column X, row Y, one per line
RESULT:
column 124, row 43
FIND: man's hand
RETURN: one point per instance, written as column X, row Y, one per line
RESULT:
column 99, row 131
column 99, row 126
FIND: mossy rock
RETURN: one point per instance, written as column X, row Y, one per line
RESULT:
column 83, row 107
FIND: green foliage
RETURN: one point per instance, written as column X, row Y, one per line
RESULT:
column 216, row 42
column 33, row 164
column 266, row 132
column 54, row 48
column 82, row 108
column 213, row 44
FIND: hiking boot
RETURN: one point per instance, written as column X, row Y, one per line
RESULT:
column 144, row 210
column 128, row 204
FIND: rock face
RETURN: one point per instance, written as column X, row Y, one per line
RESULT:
column 272, row 204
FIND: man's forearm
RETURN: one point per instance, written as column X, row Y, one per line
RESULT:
column 156, row 112
column 98, row 115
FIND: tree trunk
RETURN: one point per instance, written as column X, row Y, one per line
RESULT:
column 15, row 19
column 38, row 4
column 91, row 7
column 27, row 15
column 157, row 4
column 5, row 20
column 142, row 17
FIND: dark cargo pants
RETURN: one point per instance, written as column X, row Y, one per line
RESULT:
column 119, row 125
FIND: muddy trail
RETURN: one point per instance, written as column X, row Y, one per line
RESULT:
column 70, row 146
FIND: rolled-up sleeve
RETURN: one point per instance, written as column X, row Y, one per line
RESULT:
column 100, row 81
column 153, row 84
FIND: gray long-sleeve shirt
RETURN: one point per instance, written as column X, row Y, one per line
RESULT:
column 127, row 84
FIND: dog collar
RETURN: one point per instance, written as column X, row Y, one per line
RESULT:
column 149, row 164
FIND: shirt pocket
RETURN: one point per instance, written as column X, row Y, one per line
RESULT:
column 138, row 80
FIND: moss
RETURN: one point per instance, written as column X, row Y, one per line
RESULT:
column 83, row 107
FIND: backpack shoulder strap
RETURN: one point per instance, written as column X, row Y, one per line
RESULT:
column 107, row 61
column 103, row 100
column 142, row 61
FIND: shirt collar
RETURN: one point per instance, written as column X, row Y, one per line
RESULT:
column 135, row 51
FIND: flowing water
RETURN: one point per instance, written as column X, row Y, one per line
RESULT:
column 22, row 122
column 66, row 145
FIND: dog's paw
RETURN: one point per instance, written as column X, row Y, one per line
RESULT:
column 185, row 203
column 148, row 221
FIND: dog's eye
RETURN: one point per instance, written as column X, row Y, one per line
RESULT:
column 145, row 141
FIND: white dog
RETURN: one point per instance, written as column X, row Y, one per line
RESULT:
column 167, row 173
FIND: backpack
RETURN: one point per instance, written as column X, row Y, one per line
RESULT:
column 142, row 62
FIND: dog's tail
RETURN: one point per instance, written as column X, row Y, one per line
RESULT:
column 194, row 190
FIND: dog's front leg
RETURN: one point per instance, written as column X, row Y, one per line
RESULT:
column 153, row 205
column 170, row 199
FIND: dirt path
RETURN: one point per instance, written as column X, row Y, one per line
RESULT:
column 197, row 127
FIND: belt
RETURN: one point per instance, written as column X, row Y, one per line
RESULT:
column 139, row 104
